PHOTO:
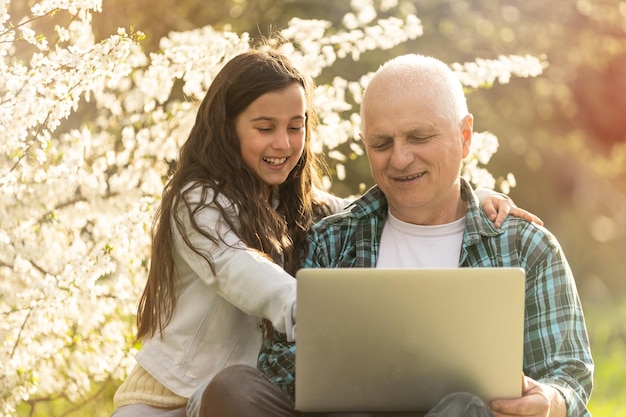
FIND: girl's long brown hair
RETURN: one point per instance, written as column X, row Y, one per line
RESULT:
column 211, row 160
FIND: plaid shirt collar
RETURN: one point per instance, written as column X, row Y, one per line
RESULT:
column 374, row 204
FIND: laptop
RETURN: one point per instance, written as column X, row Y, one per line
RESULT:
column 393, row 340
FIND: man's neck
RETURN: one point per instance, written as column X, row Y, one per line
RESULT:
column 434, row 213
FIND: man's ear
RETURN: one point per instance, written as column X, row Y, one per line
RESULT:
column 363, row 141
column 467, row 126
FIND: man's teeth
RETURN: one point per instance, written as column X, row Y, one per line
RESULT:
column 412, row 177
column 275, row 161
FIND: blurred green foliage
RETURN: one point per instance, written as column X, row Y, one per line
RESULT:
column 607, row 330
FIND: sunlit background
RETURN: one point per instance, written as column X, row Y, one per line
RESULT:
column 562, row 134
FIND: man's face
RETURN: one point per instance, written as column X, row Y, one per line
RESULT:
column 415, row 152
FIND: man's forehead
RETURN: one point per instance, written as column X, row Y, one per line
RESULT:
column 402, row 127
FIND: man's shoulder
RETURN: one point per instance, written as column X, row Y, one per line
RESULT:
column 478, row 222
column 334, row 221
column 527, row 234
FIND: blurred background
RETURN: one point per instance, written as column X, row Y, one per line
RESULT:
column 562, row 134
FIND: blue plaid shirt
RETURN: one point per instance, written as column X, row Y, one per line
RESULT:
column 556, row 345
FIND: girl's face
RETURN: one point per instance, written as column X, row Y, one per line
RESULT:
column 271, row 132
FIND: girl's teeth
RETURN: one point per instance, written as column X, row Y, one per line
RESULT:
column 275, row 161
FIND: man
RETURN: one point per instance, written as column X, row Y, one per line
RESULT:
column 416, row 129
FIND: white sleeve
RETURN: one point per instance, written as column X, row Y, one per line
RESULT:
column 483, row 193
column 243, row 276
column 335, row 203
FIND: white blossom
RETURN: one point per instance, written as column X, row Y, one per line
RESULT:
column 484, row 72
column 484, row 146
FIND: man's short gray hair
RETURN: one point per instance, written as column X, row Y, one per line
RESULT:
column 425, row 72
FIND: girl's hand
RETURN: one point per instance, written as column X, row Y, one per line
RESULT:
column 499, row 207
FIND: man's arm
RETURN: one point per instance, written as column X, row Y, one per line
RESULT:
column 557, row 356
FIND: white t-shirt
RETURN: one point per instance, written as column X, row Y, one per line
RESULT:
column 406, row 245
